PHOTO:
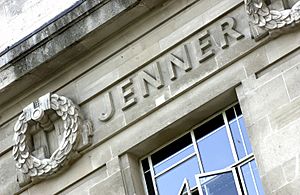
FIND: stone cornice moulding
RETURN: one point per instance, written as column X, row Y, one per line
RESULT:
column 269, row 19
column 60, row 42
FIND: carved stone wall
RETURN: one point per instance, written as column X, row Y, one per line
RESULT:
column 154, row 79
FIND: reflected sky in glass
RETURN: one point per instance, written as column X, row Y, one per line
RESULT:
column 174, row 159
column 170, row 182
column 237, row 139
column 215, row 151
column 245, row 135
column 216, row 154
column 252, row 179
column 257, row 177
column 222, row 184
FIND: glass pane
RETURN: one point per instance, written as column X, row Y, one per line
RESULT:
column 245, row 135
column 171, row 181
column 209, row 126
column 248, row 179
column 237, row 139
column 149, row 183
column 252, row 179
column 171, row 149
column 145, row 165
column 230, row 115
column 238, row 110
column 257, row 177
column 221, row 184
column 215, row 151
column 148, row 178
column 174, row 159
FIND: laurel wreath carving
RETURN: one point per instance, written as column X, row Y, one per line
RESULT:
column 261, row 15
column 32, row 166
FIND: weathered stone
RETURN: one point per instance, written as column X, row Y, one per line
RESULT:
column 150, row 81
column 289, row 189
column 274, row 180
column 285, row 115
column 82, row 186
column 267, row 98
column 113, row 166
column 113, row 185
column 291, row 168
column 258, row 132
column 292, row 80
column 8, row 175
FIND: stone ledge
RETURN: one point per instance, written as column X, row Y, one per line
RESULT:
column 64, row 39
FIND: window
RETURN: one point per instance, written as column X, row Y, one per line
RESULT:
column 213, row 159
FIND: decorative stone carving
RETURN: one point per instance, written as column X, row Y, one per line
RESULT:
column 71, row 136
column 261, row 15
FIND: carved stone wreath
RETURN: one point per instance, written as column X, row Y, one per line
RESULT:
column 261, row 15
column 25, row 161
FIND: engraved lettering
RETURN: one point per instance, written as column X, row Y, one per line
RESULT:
column 127, row 92
column 184, row 63
column 227, row 27
column 155, row 81
column 204, row 47
column 108, row 107
column 173, row 64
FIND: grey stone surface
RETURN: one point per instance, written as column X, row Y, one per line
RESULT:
column 258, row 132
column 285, row 115
column 264, row 77
column 292, row 79
column 274, row 180
column 289, row 189
column 113, row 185
column 131, row 174
column 267, row 98
column 113, row 166
column 8, row 175
column 291, row 168
column 68, row 36
column 200, row 92
column 83, row 186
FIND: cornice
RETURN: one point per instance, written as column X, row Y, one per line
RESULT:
column 61, row 40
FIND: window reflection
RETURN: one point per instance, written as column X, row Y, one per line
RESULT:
column 245, row 135
column 221, row 184
column 174, row 159
column 170, row 182
column 215, row 150
column 171, row 149
column 238, row 139
column 251, row 179
column 211, row 152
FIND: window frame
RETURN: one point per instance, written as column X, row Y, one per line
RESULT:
column 235, row 168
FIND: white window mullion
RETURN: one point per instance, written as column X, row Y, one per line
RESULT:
column 152, row 175
column 240, row 131
column 242, row 180
column 253, row 178
column 174, row 165
column 144, row 177
column 236, row 180
column 197, row 152
column 229, row 134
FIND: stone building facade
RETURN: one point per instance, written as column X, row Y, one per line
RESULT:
column 124, row 78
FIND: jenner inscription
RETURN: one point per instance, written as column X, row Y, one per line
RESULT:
column 160, row 73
